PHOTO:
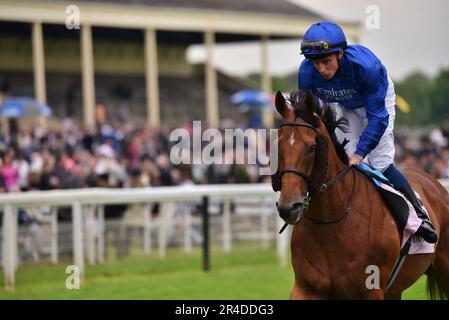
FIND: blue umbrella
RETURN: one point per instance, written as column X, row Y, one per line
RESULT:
column 251, row 98
column 24, row 107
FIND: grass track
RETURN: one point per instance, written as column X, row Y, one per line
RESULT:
column 246, row 273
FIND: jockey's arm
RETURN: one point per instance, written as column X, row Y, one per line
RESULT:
column 374, row 86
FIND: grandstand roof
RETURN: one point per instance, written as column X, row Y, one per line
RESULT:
column 238, row 20
column 281, row 7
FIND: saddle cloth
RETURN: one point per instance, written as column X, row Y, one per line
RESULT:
column 403, row 211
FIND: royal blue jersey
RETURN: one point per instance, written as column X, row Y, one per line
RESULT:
column 360, row 82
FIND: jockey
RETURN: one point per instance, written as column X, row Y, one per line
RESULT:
column 356, row 84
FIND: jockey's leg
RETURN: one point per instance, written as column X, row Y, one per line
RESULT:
column 426, row 230
column 382, row 159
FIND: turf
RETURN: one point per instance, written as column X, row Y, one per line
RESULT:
column 246, row 273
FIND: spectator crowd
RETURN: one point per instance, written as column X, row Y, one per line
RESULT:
column 115, row 157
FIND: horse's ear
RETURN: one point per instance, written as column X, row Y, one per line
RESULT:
column 284, row 107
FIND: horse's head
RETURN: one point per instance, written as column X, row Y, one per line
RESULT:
column 303, row 150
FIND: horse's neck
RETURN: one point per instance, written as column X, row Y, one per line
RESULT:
column 331, row 203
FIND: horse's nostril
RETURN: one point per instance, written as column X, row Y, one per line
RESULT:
column 284, row 211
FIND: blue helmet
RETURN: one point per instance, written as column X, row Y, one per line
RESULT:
column 323, row 38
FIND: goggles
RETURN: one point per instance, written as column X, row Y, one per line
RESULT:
column 321, row 45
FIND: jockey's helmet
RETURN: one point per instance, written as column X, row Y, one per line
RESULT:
column 322, row 39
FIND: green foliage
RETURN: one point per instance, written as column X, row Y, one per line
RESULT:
column 440, row 97
column 415, row 89
column 428, row 99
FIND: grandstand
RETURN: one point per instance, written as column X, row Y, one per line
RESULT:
column 137, row 50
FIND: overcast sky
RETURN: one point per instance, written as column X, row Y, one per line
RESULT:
column 412, row 35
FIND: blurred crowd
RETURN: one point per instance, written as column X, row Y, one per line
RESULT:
column 427, row 151
column 113, row 157
column 130, row 156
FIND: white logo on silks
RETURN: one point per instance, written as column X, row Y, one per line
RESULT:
column 73, row 17
column 73, row 280
column 212, row 153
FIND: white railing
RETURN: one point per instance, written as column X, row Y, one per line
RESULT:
column 86, row 203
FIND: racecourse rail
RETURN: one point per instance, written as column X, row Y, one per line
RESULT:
column 88, row 202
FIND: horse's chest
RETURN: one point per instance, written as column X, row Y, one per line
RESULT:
column 329, row 275
column 331, row 283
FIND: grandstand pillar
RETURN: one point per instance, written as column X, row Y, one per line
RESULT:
column 38, row 63
column 39, row 66
column 211, row 82
column 87, row 71
column 151, row 76
column 267, row 115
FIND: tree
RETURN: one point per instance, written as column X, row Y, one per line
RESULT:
column 416, row 90
column 440, row 97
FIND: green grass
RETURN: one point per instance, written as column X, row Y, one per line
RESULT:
column 247, row 273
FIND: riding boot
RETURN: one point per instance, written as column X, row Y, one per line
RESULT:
column 426, row 230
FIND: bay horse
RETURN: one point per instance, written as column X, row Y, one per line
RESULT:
column 342, row 225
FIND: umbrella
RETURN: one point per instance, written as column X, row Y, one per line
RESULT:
column 24, row 107
column 251, row 98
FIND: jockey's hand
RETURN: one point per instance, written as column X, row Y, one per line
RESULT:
column 355, row 159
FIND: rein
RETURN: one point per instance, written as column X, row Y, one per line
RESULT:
column 346, row 211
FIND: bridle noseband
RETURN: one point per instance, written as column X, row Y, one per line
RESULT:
column 323, row 187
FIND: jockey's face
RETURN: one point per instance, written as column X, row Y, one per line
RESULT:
column 328, row 66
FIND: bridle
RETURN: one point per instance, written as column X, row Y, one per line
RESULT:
column 310, row 193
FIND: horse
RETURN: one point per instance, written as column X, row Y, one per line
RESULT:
column 342, row 228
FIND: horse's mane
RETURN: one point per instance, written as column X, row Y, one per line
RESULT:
column 308, row 108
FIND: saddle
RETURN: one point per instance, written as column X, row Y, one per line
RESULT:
column 395, row 202
column 403, row 211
